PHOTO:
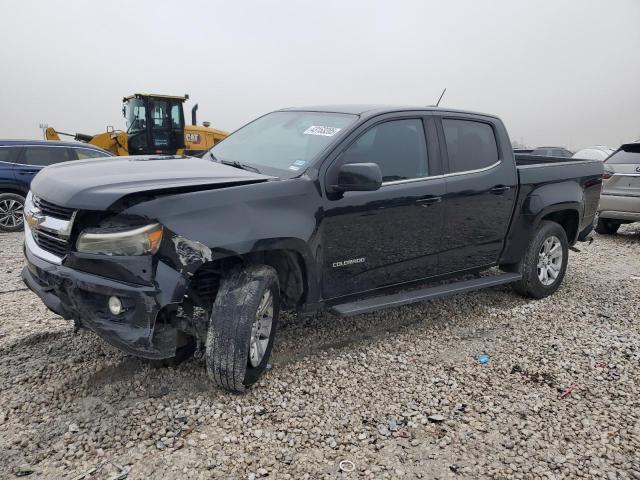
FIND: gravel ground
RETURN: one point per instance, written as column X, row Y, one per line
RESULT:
column 398, row 393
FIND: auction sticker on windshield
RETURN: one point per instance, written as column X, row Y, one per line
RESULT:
column 320, row 130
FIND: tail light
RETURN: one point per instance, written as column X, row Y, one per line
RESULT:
column 606, row 175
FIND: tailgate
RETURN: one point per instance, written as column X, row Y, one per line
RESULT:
column 624, row 185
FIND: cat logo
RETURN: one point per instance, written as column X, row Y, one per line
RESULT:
column 192, row 137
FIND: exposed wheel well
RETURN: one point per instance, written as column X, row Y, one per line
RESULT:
column 568, row 219
column 288, row 264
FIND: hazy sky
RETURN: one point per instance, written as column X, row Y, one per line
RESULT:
column 558, row 72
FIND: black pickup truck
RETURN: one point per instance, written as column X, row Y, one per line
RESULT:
column 343, row 208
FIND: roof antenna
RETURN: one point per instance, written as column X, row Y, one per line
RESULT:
column 441, row 95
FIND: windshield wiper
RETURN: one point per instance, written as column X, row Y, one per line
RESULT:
column 237, row 164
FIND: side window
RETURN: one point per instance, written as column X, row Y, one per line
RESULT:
column 7, row 154
column 471, row 145
column 398, row 147
column 43, row 156
column 175, row 116
column 557, row 153
column 84, row 153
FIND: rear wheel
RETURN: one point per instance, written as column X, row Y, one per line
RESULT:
column 242, row 327
column 544, row 263
column 606, row 226
column 11, row 210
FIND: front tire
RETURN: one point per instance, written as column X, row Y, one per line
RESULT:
column 545, row 262
column 11, row 212
column 606, row 226
column 242, row 327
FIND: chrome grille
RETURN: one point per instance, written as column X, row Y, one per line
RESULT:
column 51, row 242
column 51, row 210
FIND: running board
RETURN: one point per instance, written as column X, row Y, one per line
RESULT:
column 421, row 295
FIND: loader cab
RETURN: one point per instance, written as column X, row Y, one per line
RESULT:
column 155, row 123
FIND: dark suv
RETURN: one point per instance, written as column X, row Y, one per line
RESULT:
column 20, row 160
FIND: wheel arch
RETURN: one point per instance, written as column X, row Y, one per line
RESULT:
column 294, row 275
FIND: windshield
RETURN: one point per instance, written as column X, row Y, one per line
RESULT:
column 283, row 140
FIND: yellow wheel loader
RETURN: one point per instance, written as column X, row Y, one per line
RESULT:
column 155, row 125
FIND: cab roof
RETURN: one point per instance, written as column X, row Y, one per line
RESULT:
column 369, row 110
column 157, row 95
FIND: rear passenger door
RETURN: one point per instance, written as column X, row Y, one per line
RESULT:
column 35, row 158
column 480, row 183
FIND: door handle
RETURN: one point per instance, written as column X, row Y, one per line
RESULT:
column 425, row 202
column 499, row 189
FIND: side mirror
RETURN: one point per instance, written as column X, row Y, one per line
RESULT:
column 358, row 177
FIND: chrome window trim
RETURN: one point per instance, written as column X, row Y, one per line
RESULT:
column 444, row 175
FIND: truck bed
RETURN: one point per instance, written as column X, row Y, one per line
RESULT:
column 527, row 159
column 536, row 169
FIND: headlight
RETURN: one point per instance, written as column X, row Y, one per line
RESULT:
column 130, row 242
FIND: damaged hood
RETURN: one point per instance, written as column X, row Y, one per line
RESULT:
column 97, row 183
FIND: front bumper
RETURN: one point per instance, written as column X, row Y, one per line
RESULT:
column 81, row 296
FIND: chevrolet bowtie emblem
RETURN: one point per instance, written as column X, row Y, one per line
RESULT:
column 33, row 218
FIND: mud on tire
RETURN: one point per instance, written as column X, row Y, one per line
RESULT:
column 232, row 327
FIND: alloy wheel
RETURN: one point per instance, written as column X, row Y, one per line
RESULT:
column 11, row 213
column 261, row 329
column 550, row 260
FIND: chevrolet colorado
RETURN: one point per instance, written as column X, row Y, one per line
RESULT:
column 343, row 208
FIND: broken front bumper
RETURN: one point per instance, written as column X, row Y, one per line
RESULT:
column 74, row 294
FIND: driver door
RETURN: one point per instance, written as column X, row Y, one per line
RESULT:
column 389, row 236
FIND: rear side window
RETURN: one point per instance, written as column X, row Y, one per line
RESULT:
column 83, row 153
column 471, row 145
column 397, row 146
column 43, row 156
column 622, row 156
column 6, row 154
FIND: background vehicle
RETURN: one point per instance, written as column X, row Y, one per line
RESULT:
column 559, row 152
column 20, row 160
column 338, row 208
column 597, row 152
column 620, row 200
column 155, row 125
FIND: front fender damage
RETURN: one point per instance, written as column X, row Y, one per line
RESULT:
column 154, row 321
column 190, row 254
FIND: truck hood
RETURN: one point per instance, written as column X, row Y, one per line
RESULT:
column 97, row 183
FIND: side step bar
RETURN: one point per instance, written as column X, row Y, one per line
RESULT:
column 421, row 295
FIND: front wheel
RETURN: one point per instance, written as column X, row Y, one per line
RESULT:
column 544, row 263
column 242, row 326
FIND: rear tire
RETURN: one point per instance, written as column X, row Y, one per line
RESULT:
column 544, row 263
column 11, row 212
column 242, row 327
column 606, row 226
